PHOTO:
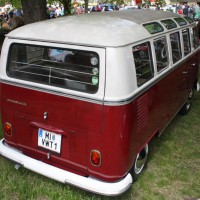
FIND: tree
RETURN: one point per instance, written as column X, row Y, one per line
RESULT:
column 86, row 6
column 34, row 10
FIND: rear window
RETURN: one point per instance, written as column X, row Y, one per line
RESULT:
column 64, row 68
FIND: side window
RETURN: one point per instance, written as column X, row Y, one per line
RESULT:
column 186, row 42
column 153, row 27
column 143, row 62
column 195, row 37
column 180, row 21
column 176, row 47
column 64, row 68
column 169, row 23
column 162, row 55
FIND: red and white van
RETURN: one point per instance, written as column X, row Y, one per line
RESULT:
column 82, row 96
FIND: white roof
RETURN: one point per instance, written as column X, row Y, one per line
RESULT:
column 108, row 29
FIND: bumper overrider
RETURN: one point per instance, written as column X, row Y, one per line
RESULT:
column 86, row 183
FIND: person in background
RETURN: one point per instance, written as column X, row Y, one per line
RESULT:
column 197, row 12
column 185, row 10
column 98, row 9
column 58, row 12
column 52, row 13
column 10, row 19
column 180, row 11
column 191, row 11
column 62, row 11
column 17, row 12
column 17, row 22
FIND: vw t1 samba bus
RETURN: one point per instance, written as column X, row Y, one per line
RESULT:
column 82, row 96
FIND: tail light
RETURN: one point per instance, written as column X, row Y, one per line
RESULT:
column 95, row 158
column 8, row 129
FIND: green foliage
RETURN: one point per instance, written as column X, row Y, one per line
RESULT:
column 50, row 1
column 146, row 2
column 116, row 2
column 160, row 3
column 3, row 2
column 14, row 3
column 113, row 2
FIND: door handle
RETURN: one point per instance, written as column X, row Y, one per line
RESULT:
column 184, row 72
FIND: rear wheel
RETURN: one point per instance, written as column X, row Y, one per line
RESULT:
column 185, row 109
column 140, row 162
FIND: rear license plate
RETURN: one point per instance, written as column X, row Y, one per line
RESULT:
column 49, row 140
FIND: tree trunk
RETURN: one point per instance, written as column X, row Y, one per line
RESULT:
column 86, row 6
column 34, row 10
column 67, row 6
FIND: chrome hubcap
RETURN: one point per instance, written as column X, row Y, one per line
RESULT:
column 141, row 159
column 189, row 100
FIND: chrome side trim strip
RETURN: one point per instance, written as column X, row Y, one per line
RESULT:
column 52, row 92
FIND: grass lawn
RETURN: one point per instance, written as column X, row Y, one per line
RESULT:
column 173, row 170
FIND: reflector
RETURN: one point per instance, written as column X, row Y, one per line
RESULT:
column 8, row 129
column 95, row 158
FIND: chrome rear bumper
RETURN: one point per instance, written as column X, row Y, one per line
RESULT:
column 89, row 184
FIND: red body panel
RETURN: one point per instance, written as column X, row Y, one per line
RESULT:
column 118, row 132
column 24, row 109
column 127, row 128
